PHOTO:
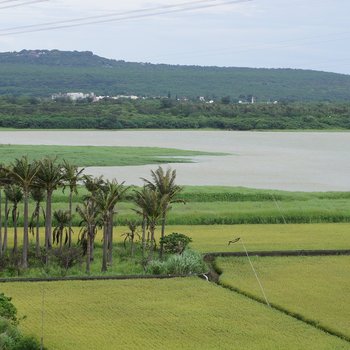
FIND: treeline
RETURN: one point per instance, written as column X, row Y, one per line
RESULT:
column 27, row 112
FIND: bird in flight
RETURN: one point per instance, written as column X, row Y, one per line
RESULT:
column 234, row 240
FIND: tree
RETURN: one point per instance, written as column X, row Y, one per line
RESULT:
column 14, row 195
column 49, row 176
column 151, row 205
column 23, row 173
column 130, row 235
column 90, row 220
column 62, row 227
column 164, row 183
column 38, row 195
column 72, row 175
column 106, row 198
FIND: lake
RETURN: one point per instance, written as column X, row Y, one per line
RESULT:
column 298, row 161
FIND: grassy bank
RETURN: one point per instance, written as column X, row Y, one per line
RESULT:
column 157, row 314
column 316, row 288
column 100, row 155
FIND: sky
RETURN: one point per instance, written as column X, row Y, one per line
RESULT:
column 305, row 34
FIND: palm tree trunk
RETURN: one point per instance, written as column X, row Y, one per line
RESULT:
column 48, row 225
column 37, row 235
column 162, row 235
column 61, row 237
column 70, row 219
column 6, row 219
column 143, row 236
column 88, row 249
column 15, row 235
column 25, row 231
column 105, row 246
column 152, row 228
column 110, row 239
column 48, row 221
column 92, row 243
column 0, row 222
column 132, row 247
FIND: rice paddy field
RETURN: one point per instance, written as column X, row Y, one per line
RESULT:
column 187, row 313
column 315, row 288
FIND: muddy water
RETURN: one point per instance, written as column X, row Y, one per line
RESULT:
column 282, row 160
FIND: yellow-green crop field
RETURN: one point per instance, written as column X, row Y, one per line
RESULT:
column 214, row 238
column 186, row 313
column 317, row 288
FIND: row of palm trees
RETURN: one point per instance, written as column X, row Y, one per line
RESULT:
column 25, row 179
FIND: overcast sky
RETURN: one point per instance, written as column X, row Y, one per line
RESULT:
column 305, row 34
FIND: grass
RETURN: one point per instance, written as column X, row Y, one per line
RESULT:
column 208, row 205
column 316, row 288
column 84, row 156
column 157, row 314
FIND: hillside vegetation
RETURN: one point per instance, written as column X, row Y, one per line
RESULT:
column 43, row 72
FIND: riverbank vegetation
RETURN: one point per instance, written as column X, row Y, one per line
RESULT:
column 168, row 113
column 101, row 155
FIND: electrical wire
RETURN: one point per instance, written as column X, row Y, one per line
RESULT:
column 105, row 19
column 22, row 4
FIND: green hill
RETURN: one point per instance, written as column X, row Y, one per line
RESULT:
column 43, row 72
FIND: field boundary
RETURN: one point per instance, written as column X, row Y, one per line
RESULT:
column 216, row 271
column 322, row 252
column 92, row 278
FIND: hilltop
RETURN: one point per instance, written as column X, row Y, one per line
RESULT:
column 44, row 72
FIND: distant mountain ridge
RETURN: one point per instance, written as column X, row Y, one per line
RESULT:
column 44, row 72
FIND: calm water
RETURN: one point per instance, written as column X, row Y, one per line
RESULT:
column 281, row 160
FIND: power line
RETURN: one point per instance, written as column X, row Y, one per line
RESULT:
column 21, row 4
column 105, row 18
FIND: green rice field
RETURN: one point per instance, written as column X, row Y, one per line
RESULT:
column 186, row 313
column 315, row 288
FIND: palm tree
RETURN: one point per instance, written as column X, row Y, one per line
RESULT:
column 130, row 235
column 116, row 192
column 90, row 221
column 71, row 177
column 23, row 174
column 139, row 200
column 14, row 195
column 4, row 180
column 164, row 183
column 151, row 205
column 49, row 177
column 38, row 195
column 106, row 199
column 62, row 227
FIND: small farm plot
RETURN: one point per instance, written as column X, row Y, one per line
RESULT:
column 215, row 238
column 186, row 313
column 316, row 288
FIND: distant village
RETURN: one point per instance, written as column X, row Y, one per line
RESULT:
column 76, row 96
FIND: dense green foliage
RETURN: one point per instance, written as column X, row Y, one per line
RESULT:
column 10, row 337
column 24, row 112
column 175, row 243
column 40, row 73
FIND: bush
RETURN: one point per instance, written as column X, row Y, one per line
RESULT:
column 27, row 343
column 7, row 310
column 189, row 262
column 175, row 243
column 68, row 257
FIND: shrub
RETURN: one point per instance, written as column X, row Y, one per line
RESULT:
column 189, row 262
column 175, row 243
column 7, row 310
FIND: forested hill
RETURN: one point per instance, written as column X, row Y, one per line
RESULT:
column 43, row 72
